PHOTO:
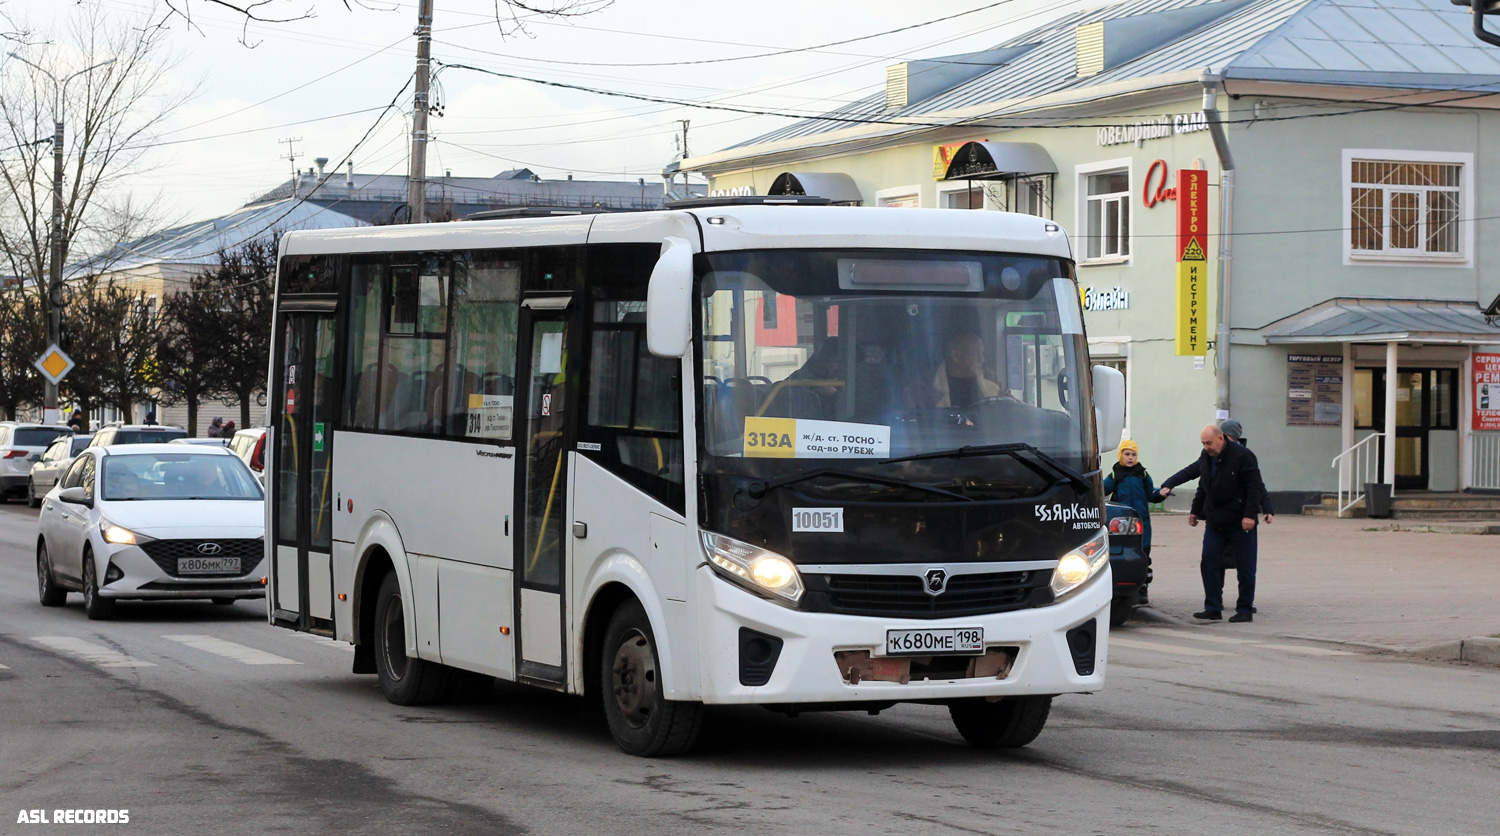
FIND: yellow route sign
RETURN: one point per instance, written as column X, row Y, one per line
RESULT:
column 1192, row 302
column 54, row 364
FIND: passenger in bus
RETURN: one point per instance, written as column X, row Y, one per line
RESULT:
column 811, row 391
column 960, row 379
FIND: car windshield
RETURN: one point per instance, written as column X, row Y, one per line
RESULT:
column 177, row 476
column 146, row 436
column 815, row 356
column 79, row 442
column 36, row 436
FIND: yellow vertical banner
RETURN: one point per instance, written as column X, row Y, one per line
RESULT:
column 1192, row 299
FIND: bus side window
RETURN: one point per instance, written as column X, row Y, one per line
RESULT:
column 481, row 368
column 414, row 346
column 367, row 289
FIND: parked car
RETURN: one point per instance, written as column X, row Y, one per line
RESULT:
column 54, row 461
column 1129, row 565
column 151, row 521
column 21, row 446
column 250, row 445
column 135, row 434
column 210, row 442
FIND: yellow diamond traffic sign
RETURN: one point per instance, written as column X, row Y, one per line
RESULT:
column 54, row 364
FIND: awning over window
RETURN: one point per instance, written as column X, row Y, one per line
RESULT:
column 835, row 186
column 991, row 160
column 1354, row 320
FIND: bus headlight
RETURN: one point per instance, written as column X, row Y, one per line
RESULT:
column 1080, row 564
column 751, row 566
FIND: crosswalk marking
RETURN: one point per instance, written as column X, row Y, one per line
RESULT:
column 90, row 652
column 1310, row 651
column 1166, row 648
column 323, row 641
column 1195, row 635
column 231, row 650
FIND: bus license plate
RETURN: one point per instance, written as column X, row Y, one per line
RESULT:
column 958, row 640
column 208, row 565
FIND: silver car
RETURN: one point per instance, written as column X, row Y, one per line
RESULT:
column 21, row 446
column 46, row 472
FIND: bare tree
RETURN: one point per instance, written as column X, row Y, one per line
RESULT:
column 511, row 16
column 191, row 344
column 107, row 80
column 240, row 286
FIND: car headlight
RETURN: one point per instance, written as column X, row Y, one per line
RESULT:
column 751, row 566
column 120, row 536
column 1080, row 564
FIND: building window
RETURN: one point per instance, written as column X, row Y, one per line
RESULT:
column 1107, row 215
column 903, row 197
column 1407, row 206
column 1032, row 196
column 964, row 198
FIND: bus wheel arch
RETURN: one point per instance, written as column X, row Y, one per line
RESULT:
column 609, row 598
column 373, row 568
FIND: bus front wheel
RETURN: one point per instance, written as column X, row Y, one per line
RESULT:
column 404, row 680
column 1007, row 723
column 643, row 721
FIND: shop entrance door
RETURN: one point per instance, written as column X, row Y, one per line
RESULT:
column 1425, row 401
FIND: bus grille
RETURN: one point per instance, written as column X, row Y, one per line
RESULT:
column 903, row 596
column 165, row 553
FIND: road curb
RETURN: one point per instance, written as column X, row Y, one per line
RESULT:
column 1479, row 650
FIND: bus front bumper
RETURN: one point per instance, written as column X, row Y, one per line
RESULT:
column 806, row 670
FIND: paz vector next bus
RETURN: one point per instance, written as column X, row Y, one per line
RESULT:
column 807, row 457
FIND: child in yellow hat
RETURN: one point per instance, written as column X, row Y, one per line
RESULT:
column 1129, row 484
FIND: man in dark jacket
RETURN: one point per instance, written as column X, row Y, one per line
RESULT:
column 1228, row 501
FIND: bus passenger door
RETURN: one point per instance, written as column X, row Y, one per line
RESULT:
column 302, row 483
column 542, row 487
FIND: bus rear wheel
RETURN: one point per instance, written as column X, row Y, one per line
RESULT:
column 1006, row 724
column 643, row 721
column 403, row 679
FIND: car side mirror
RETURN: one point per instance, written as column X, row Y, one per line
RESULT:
column 1109, row 407
column 76, row 495
column 669, row 300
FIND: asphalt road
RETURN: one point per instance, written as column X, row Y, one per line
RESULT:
column 205, row 720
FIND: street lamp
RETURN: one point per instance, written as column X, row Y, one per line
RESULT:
column 55, row 281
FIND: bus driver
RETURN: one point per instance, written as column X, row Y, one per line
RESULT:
column 960, row 380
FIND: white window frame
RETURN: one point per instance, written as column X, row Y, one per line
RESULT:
column 1120, row 353
column 953, row 187
column 885, row 197
column 1017, row 184
column 1465, row 255
column 1081, row 207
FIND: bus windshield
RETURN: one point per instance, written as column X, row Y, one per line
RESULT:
column 844, row 359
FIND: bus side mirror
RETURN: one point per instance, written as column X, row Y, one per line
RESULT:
column 669, row 300
column 1109, row 406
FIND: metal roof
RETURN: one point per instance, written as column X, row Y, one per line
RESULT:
column 1354, row 320
column 1415, row 44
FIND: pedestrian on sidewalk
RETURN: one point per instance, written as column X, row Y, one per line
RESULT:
column 1129, row 484
column 1227, row 502
column 150, row 418
column 78, row 423
column 215, row 427
column 228, row 430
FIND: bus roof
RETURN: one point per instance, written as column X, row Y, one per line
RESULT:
column 713, row 229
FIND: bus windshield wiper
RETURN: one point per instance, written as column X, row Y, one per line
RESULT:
column 756, row 490
column 1014, row 450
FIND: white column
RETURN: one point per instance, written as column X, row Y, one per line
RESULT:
column 1390, row 414
column 1346, row 422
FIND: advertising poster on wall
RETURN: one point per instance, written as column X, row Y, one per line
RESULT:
column 1487, row 391
column 1314, row 390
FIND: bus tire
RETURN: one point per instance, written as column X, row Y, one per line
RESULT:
column 643, row 722
column 1120, row 610
column 1006, row 724
column 403, row 679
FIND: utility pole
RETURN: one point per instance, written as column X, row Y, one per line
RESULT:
column 55, row 233
column 416, row 195
column 685, row 191
column 291, row 157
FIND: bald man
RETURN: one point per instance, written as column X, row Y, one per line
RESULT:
column 1227, row 501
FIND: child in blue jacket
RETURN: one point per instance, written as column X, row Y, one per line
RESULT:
column 1130, row 484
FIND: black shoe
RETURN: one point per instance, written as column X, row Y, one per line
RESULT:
column 1241, row 618
column 1255, row 609
column 1209, row 615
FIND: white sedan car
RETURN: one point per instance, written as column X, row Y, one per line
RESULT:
column 152, row 521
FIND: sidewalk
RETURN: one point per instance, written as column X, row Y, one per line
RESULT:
column 1331, row 579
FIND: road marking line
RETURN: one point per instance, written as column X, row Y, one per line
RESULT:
column 323, row 641
column 1167, row 648
column 4, row 668
column 1310, row 651
column 228, row 649
column 90, row 652
column 1192, row 634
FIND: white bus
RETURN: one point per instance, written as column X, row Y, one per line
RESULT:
column 806, row 457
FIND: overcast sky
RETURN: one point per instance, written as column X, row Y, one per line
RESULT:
column 324, row 79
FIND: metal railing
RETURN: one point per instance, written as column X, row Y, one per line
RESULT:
column 1486, row 460
column 1357, row 466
